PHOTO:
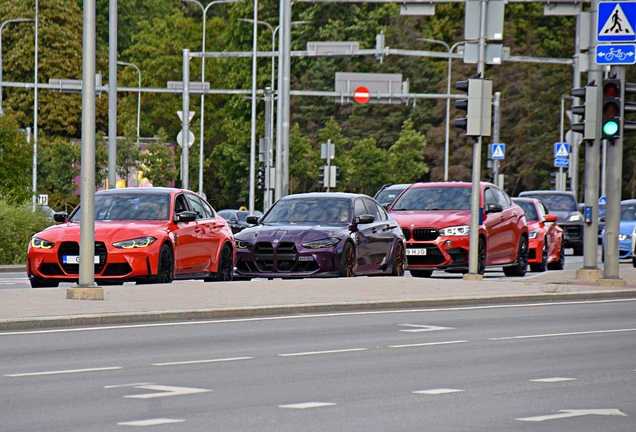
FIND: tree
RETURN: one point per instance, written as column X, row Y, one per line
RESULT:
column 406, row 156
column 158, row 163
column 128, row 155
column 16, row 156
column 366, row 167
column 303, row 162
column 58, row 167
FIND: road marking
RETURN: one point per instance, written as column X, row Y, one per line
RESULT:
column 126, row 385
column 150, row 422
column 307, row 405
column 165, row 391
column 322, row 352
column 553, row 380
column 438, row 391
column 563, row 334
column 574, row 413
column 62, row 372
column 202, row 361
column 422, row 328
column 428, row 344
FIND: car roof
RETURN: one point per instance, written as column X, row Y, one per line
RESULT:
column 545, row 192
column 323, row 195
column 142, row 190
column 448, row 183
column 524, row 199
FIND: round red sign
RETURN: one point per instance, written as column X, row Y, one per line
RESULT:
column 361, row 95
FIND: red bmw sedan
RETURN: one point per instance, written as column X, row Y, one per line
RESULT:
column 435, row 219
column 145, row 235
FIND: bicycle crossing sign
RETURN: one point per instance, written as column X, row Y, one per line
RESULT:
column 616, row 54
column 616, row 22
column 561, row 163
column 498, row 151
column 561, row 150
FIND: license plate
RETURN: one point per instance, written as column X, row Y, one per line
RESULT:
column 75, row 259
column 415, row 251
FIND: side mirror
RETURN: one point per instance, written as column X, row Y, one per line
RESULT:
column 185, row 216
column 602, row 219
column 60, row 217
column 551, row 218
column 493, row 208
column 232, row 220
column 252, row 220
column 365, row 219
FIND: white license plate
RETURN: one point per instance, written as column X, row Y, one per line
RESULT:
column 75, row 259
column 415, row 251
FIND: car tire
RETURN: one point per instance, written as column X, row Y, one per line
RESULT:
column 560, row 263
column 348, row 261
column 481, row 257
column 578, row 250
column 633, row 261
column 225, row 271
column 521, row 264
column 43, row 283
column 421, row 273
column 399, row 260
column 541, row 267
column 165, row 267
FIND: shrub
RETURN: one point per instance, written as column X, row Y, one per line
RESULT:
column 17, row 226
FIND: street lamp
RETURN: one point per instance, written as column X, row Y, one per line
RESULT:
column 121, row 63
column 204, row 11
column 17, row 20
column 448, row 80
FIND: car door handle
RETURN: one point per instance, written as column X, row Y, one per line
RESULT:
column 374, row 230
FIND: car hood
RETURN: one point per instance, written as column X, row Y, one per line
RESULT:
column 626, row 227
column 432, row 218
column 563, row 216
column 105, row 230
column 289, row 233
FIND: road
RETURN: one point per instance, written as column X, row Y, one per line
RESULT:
column 526, row 367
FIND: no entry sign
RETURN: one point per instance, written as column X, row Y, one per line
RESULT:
column 361, row 95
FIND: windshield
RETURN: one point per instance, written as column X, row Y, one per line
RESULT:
column 528, row 209
column 129, row 206
column 306, row 211
column 387, row 196
column 557, row 202
column 434, row 198
column 628, row 212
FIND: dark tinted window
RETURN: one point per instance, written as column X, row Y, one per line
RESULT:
column 129, row 206
column 557, row 202
column 388, row 195
column 434, row 198
column 308, row 211
column 529, row 210
column 628, row 212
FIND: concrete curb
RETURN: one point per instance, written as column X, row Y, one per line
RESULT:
column 211, row 314
column 13, row 268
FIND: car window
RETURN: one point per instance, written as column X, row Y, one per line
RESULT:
column 197, row 207
column 360, row 208
column 434, row 198
column 129, row 206
column 628, row 212
column 180, row 204
column 501, row 198
column 308, row 211
column 388, row 195
column 372, row 209
column 557, row 202
column 489, row 196
column 529, row 209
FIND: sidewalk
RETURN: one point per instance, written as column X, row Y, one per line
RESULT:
column 45, row 308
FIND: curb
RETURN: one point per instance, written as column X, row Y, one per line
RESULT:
column 13, row 268
column 249, row 312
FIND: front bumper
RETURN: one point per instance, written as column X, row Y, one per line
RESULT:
column 572, row 234
column 535, row 251
column 448, row 253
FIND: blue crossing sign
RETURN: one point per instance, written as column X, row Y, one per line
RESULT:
column 561, row 163
column 498, row 151
column 616, row 21
column 616, row 54
column 561, row 150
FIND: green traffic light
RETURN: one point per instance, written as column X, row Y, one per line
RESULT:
column 610, row 128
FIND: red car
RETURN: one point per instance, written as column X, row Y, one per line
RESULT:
column 435, row 219
column 547, row 248
column 148, row 235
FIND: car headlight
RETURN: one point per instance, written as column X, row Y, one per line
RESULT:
column 622, row 237
column 533, row 234
column 574, row 218
column 39, row 243
column 140, row 242
column 242, row 244
column 455, row 231
column 323, row 243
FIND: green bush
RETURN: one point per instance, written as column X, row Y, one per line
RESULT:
column 17, row 226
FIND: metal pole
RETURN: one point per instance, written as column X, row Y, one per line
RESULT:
column 112, row 95
column 35, row 109
column 283, row 112
column 576, row 138
column 495, row 135
column 87, row 185
column 185, row 123
column 17, row 20
column 253, row 129
column 560, row 184
column 268, row 144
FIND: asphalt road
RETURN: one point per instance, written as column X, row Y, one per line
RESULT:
column 555, row 366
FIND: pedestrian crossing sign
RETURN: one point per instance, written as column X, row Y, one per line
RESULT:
column 498, row 151
column 561, row 150
column 616, row 22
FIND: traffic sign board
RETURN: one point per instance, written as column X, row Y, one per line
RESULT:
column 616, row 21
column 561, row 150
column 498, row 151
column 602, row 200
column 615, row 54
column 180, row 138
column 361, row 95
column 562, row 163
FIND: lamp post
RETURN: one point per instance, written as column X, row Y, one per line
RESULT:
column 204, row 11
column 121, row 63
column 448, row 79
column 17, row 20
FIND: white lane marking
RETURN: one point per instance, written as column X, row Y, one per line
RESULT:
column 428, row 344
column 150, row 422
column 307, row 405
column 438, row 391
column 574, row 413
column 202, row 361
column 563, row 334
column 62, row 372
column 553, row 380
column 322, row 352
column 328, row 315
column 165, row 391
column 126, row 385
column 416, row 328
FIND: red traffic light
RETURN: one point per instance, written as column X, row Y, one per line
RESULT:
column 610, row 89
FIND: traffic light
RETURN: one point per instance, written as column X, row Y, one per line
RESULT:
column 611, row 111
column 628, row 108
column 260, row 177
column 322, row 169
column 478, row 106
column 588, row 128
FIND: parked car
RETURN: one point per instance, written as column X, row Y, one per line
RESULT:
column 564, row 205
column 389, row 192
column 149, row 235
column 435, row 218
column 319, row 235
column 547, row 250
column 236, row 218
column 626, row 228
